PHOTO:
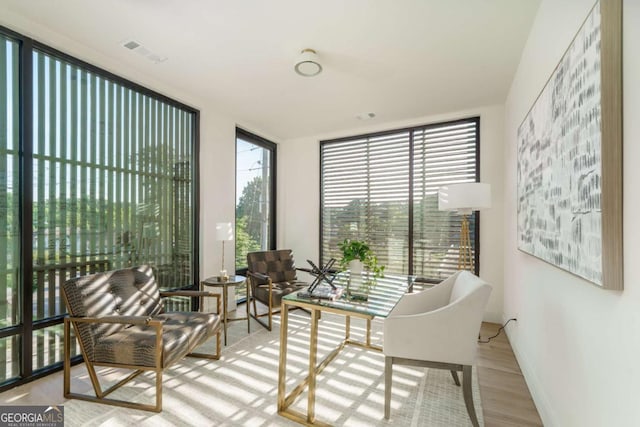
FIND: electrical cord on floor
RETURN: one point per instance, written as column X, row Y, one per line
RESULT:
column 498, row 333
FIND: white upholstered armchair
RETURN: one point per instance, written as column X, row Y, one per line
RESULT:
column 437, row 328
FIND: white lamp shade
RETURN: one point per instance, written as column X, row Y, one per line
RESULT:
column 464, row 198
column 224, row 231
column 307, row 64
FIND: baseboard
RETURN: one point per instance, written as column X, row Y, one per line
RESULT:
column 542, row 402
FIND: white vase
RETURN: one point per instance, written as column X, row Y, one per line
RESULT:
column 356, row 267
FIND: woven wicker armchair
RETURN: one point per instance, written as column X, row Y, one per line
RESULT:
column 119, row 321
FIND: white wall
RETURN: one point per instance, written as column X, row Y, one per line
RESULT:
column 299, row 193
column 577, row 344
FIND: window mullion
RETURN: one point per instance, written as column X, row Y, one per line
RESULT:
column 411, row 212
column 26, row 196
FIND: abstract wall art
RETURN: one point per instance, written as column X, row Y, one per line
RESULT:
column 569, row 151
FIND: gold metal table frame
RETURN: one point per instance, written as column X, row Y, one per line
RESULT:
column 381, row 301
column 234, row 280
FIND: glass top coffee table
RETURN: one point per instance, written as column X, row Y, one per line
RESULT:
column 362, row 297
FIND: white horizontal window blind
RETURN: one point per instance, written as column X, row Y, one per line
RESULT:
column 365, row 194
column 443, row 155
column 382, row 188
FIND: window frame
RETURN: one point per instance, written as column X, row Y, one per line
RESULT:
column 410, row 201
column 25, row 329
column 273, row 162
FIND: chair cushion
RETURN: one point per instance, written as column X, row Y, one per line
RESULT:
column 281, row 289
column 127, row 292
column 135, row 345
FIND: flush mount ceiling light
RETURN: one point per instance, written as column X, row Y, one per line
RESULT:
column 307, row 64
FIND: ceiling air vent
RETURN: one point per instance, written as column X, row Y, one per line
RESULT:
column 143, row 51
column 132, row 45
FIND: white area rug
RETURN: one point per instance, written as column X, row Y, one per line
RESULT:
column 240, row 389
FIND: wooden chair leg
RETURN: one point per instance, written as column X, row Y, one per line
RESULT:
column 255, row 309
column 270, row 306
column 66, row 388
column 468, row 395
column 158, row 407
column 267, row 325
column 218, row 343
column 388, row 373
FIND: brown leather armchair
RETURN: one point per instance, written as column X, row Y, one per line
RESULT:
column 119, row 321
column 272, row 275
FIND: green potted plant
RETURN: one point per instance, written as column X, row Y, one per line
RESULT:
column 357, row 250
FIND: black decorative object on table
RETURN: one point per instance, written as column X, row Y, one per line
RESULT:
column 322, row 275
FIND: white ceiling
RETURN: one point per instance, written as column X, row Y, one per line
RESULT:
column 400, row 59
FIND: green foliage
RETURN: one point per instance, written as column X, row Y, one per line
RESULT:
column 244, row 243
column 249, row 219
column 359, row 250
column 249, row 207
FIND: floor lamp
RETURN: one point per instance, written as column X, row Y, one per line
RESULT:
column 224, row 232
column 464, row 199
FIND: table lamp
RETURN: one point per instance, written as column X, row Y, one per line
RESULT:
column 464, row 199
column 224, row 232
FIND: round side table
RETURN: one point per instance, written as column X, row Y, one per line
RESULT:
column 234, row 280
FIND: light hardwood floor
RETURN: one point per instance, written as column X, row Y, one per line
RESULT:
column 506, row 400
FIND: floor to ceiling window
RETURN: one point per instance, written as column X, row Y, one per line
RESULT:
column 106, row 178
column 9, row 210
column 383, row 188
column 255, row 196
